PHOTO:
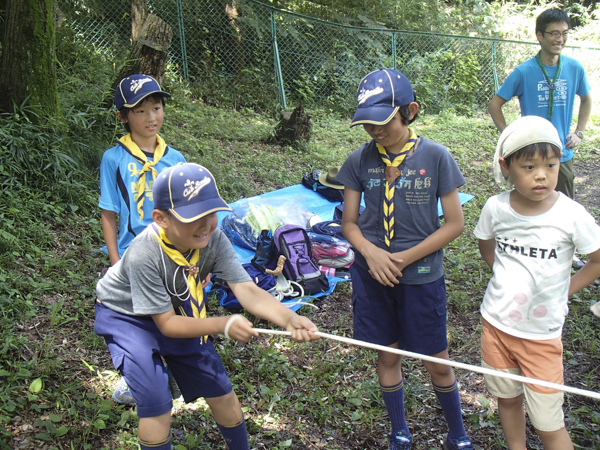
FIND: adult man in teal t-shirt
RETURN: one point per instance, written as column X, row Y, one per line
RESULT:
column 546, row 86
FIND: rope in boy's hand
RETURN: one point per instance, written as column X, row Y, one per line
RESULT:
column 446, row 362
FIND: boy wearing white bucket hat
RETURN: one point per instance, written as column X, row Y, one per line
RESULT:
column 527, row 236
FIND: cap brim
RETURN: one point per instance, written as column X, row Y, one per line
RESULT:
column 198, row 210
column 374, row 115
column 136, row 100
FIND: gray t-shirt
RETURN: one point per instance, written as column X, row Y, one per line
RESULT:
column 142, row 282
column 427, row 174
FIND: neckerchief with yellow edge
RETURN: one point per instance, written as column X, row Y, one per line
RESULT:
column 196, row 293
column 391, row 174
column 138, row 154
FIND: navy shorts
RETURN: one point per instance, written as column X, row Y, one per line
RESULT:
column 414, row 315
column 136, row 346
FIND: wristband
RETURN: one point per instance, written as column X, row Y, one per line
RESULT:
column 232, row 319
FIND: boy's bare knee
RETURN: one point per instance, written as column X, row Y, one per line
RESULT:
column 514, row 402
column 555, row 440
column 226, row 409
column 155, row 429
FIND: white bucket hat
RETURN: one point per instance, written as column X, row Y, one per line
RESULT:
column 522, row 132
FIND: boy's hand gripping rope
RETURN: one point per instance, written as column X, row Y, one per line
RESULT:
column 446, row 362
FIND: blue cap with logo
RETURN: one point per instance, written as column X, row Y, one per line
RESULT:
column 135, row 88
column 380, row 94
column 188, row 191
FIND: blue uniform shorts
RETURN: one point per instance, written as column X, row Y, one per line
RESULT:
column 136, row 346
column 412, row 315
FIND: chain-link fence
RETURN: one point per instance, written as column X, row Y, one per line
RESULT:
column 246, row 53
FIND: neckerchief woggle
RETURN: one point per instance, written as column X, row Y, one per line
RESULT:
column 391, row 174
column 138, row 154
column 196, row 297
column 551, row 84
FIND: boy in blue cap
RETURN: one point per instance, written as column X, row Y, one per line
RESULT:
column 399, row 294
column 151, row 306
column 128, row 170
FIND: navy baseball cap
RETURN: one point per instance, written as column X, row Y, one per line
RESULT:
column 135, row 88
column 380, row 94
column 188, row 191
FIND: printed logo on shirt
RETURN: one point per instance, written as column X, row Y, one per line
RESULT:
column 530, row 252
column 424, row 269
column 560, row 93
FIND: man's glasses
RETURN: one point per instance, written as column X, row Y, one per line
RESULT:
column 556, row 34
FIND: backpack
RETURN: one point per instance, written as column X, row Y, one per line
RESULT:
column 311, row 181
column 293, row 243
column 262, row 279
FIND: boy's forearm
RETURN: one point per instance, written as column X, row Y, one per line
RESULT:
column 110, row 233
column 175, row 326
column 435, row 241
column 584, row 277
column 260, row 303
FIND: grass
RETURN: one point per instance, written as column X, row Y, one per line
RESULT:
column 56, row 373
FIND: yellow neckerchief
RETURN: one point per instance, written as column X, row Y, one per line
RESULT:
column 137, row 153
column 198, row 302
column 391, row 173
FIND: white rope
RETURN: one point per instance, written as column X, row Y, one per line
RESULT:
column 446, row 362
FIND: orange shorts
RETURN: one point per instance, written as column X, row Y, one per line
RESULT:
column 541, row 360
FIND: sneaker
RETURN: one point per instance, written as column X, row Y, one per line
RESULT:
column 399, row 441
column 458, row 444
column 595, row 308
column 122, row 394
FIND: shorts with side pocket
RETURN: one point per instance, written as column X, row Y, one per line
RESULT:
column 137, row 348
column 541, row 360
column 414, row 315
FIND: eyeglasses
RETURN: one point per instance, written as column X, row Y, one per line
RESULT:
column 556, row 34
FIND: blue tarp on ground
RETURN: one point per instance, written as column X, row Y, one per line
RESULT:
column 311, row 202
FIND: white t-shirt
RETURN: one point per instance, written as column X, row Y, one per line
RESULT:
column 527, row 295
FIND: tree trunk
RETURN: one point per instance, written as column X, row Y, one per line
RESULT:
column 28, row 56
column 150, row 37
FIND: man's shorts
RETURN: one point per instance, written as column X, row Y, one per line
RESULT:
column 412, row 315
column 541, row 360
column 566, row 178
column 136, row 346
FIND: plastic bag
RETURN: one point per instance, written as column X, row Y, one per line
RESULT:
column 245, row 223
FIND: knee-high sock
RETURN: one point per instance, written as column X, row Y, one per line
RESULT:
column 449, row 398
column 393, row 397
column 236, row 437
column 162, row 445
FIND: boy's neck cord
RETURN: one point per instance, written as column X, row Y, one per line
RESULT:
column 551, row 83
column 391, row 174
column 446, row 362
column 132, row 148
column 193, row 282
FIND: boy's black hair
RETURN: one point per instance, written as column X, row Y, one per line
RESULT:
column 405, row 113
column 125, row 110
column 529, row 151
column 551, row 16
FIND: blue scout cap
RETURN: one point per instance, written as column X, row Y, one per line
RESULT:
column 188, row 191
column 380, row 94
column 135, row 88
